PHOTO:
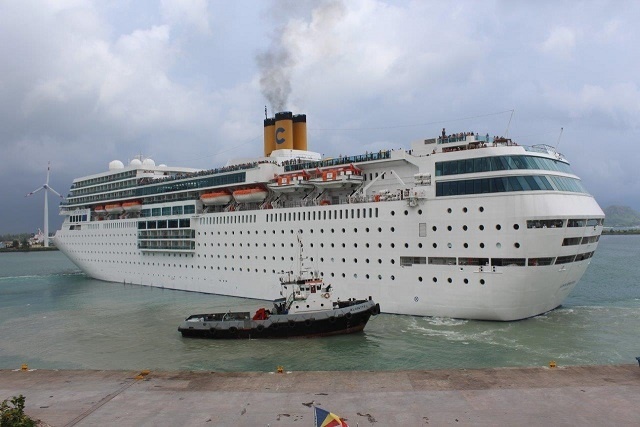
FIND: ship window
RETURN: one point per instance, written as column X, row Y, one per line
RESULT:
column 571, row 241
column 533, row 262
column 576, row 223
column 565, row 259
column 442, row 261
column 508, row 262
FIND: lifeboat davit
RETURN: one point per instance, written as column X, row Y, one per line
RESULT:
column 132, row 206
column 114, row 208
column 99, row 209
column 292, row 182
column 215, row 198
column 342, row 177
column 250, row 195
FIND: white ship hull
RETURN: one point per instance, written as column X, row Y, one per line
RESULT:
column 495, row 256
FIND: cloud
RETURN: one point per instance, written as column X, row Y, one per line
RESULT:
column 189, row 13
column 615, row 106
column 560, row 43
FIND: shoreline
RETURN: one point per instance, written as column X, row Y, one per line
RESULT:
column 572, row 395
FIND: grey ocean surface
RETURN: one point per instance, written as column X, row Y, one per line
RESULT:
column 53, row 317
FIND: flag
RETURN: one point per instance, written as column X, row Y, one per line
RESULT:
column 327, row 419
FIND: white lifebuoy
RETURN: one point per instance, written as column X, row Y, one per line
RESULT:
column 326, row 295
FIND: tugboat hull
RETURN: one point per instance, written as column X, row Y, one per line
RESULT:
column 351, row 318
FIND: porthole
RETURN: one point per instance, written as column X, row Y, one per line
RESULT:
column 419, row 211
column 367, row 276
column 435, row 245
column 420, row 245
column 380, row 276
column 355, row 245
column 464, row 210
column 332, row 230
column 466, row 245
column 393, row 245
column 366, row 229
column 367, row 260
column 355, row 230
column 449, row 210
column 464, row 227
column 406, row 212
column 498, row 227
column 516, row 226
column 379, row 261
column 482, row 281
column 393, row 277
column 393, row 213
column 406, row 245
column 420, row 279
column 517, row 245
column 435, row 279
column 481, row 209
column 449, row 228
column 481, row 245
column 393, row 261
column 355, row 260
column 434, row 228
column 449, row 245
column 498, row 245
column 393, row 229
column 343, row 260
column 466, row 281
column 379, row 229
column 481, row 227
column 449, row 280
column 344, row 245
column 343, row 230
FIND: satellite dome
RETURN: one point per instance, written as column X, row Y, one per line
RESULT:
column 162, row 165
column 135, row 162
column 116, row 164
column 149, row 162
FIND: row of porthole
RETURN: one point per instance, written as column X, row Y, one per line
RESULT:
column 480, row 227
column 465, row 210
column 481, row 245
column 333, row 230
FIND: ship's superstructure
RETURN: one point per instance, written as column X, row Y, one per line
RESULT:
column 463, row 225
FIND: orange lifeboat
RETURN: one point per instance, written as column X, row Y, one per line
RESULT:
column 132, row 206
column 99, row 209
column 114, row 208
column 215, row 198
column 250, row 195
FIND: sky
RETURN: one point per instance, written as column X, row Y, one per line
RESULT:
column 185, row 82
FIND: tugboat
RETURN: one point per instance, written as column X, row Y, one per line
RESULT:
column 307, row 308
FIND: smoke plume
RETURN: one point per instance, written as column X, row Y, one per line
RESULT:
column 278, row 62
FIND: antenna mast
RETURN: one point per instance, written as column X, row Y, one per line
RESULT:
column 559, row 136
column 506, row 133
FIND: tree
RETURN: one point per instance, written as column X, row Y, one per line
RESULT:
column 12, row 413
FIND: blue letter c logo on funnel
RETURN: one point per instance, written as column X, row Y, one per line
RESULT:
column 279, row 140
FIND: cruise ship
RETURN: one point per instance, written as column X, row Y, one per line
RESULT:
column 461, row 225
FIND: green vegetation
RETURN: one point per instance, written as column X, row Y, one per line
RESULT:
column 12, row 413
column 621, row 216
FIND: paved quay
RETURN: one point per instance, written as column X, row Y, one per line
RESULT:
column 562, row 396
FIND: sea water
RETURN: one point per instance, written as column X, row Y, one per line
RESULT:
column 54, row 317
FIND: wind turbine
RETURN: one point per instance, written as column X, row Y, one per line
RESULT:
column 46, row 204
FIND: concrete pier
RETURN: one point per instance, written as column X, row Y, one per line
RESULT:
column 562, row 396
